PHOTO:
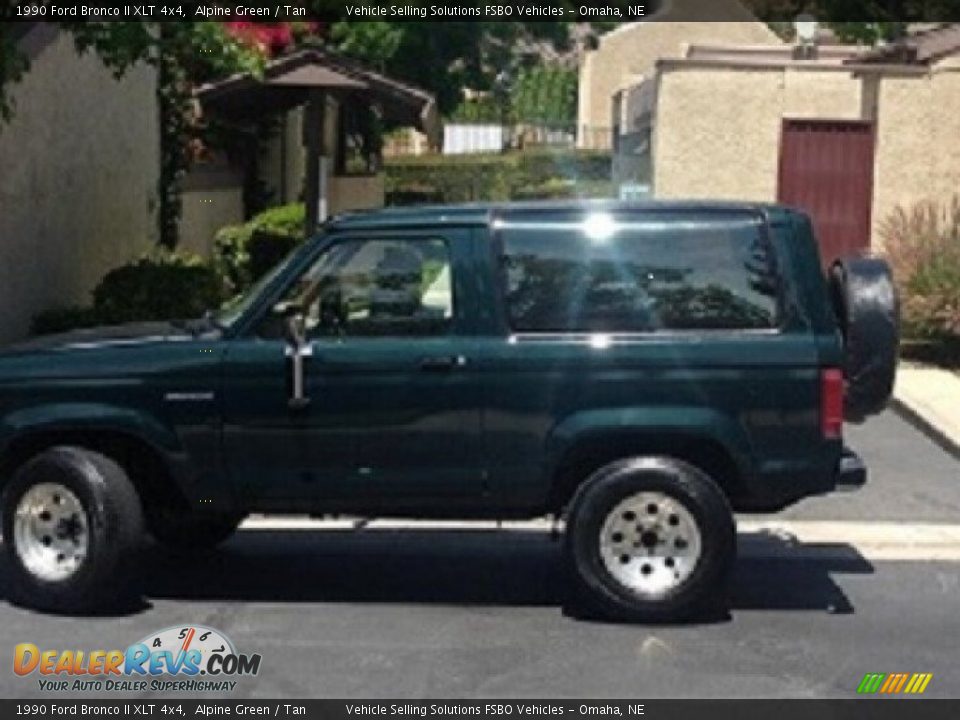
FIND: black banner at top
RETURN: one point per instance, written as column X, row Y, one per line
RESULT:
column 477, row 10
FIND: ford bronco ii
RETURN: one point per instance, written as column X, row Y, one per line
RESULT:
column 641, row 371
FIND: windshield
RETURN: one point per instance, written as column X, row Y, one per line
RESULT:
column 236, row 307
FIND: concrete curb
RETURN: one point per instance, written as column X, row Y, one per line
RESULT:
column 914, row 418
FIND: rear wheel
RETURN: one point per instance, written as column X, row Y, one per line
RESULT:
column 650, row 539
column 72, row 523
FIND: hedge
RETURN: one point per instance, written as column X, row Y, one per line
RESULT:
column 157, row 286
column 498, row 176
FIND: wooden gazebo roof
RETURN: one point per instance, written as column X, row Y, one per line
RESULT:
column 287, row 82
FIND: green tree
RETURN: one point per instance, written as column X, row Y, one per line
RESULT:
column 545, row 94
column 446, row 57
column 374, row 42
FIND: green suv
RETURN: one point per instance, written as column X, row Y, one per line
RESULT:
column 641, row 371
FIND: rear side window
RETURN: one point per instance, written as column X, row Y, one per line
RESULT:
column 598, row 272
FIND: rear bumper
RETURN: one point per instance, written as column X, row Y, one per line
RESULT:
column 851, row 473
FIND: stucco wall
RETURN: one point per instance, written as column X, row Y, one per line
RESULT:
column 80, row 162
column 206, row 210
column 628, row 54
column 717, row 130
column 361, row 192
column 918, row 141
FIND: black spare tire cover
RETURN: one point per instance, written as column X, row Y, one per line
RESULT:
column 865, row 300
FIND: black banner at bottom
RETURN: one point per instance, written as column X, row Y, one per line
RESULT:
column 874, row 709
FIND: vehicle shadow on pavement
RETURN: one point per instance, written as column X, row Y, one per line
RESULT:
column 515, row 568
column 485, row 567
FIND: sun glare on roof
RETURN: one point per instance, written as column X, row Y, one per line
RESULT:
column 599, row 226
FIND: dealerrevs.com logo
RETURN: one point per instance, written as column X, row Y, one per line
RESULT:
column 188, row 658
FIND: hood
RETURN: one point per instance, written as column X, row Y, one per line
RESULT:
column 127, row 334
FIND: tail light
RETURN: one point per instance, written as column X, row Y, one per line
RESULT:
column 831, row 403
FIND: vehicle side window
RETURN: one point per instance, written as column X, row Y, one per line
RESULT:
column 377, row 288
column 597, row 273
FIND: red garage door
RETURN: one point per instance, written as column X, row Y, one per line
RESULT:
column 826, row 168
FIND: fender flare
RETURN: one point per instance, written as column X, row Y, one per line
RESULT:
column 649, row 425
column 72, row 417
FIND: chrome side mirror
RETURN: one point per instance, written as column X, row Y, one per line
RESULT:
column 298, row 348
column 296, row 326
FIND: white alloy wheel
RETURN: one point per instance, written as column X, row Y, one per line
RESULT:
column 650, row 543
column 50, row 531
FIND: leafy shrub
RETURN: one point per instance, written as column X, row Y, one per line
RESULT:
column 922, row 245
column 283, row 220
column 244, row 253
column 158, row 286
column 231, row 255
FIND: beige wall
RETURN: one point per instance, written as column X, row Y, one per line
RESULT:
column 80, row 162
column 717, row 130
column 204, row 212
column 361, row 192
column 628, row 54
column 918, row 141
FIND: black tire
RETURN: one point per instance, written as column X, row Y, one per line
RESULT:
column 180, row 530
column 705, row 587
column 865, row 301
column 105, row 578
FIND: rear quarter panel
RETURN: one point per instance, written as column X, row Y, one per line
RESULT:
column 756, row 393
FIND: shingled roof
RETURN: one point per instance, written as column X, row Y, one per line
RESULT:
column 922, row 48
column 287, row 80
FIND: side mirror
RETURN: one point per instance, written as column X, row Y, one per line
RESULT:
column 296, row 329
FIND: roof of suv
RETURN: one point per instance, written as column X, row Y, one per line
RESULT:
column 481, row 213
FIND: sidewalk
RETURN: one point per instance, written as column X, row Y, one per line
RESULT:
column 929, row 398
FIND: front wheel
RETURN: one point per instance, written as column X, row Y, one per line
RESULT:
column 71, row 525
column 650, row 540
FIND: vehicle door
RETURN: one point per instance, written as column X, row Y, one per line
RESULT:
column 391, row 412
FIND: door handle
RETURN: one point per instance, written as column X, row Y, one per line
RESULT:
column 298, row 399
column 442, row 363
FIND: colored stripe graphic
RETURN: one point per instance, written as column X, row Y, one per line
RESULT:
column 870, row 683
column 900, row 682
column 894, row 683
column 922, row 680
column 890, row 683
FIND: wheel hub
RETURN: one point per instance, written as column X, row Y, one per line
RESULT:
column 650, row 543
column 50, row 531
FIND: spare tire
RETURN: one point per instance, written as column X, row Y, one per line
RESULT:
column 865, row 300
